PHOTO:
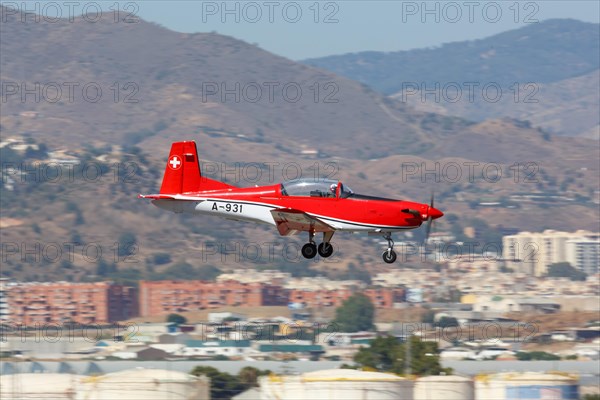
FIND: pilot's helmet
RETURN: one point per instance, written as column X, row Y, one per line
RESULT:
column 333, row 187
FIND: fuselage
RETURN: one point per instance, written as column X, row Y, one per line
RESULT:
column 351, row 213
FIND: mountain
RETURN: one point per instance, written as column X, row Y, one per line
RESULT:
column 544, row 52
column 169, row 76
column 559, row 60
column 158, row 86
column 567, row 107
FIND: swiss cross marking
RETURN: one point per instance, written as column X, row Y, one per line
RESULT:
column 174, row 162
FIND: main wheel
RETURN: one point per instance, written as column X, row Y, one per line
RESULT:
column 309, row 250
column 325, row 249
column 389, row 256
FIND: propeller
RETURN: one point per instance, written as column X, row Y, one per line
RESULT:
column 432, row 213
column 429, row 218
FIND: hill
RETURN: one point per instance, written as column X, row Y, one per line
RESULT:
column 159, row 86
column 558, row 59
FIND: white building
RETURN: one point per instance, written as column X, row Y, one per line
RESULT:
column 584, row 255
column 532, row 253
column 4, row 311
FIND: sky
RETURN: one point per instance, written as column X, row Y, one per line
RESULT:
column 310, row 28
column 307, row 29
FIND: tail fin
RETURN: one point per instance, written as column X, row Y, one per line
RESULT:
column 182, row 173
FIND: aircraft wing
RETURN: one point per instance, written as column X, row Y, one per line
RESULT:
column 168, row 197
column 290, row 221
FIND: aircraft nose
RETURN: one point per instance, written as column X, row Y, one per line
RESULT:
column 434, row 213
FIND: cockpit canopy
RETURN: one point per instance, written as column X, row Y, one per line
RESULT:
column 314, row 188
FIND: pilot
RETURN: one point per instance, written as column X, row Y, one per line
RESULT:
column 332, row 189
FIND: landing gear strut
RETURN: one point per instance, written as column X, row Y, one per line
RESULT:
column 389, row 256
column 325, row 248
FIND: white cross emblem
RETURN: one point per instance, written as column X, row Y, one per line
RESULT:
column 174, row 162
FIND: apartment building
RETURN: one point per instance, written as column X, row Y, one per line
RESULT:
column 532, row 253
column 164, row 297
column 584, row 254
column 4, row 310
column 59, row 302
column 319, row 297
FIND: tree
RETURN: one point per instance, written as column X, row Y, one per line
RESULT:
column 102, row 267
column 222, row 384
column 564, row 269
column 536, row 355
column 161, row 258
column 447, row 322
column 428, row 317
column 127, row 244
column 355, row 314
column 176, row 318
column 387, row 354
column 249, row 376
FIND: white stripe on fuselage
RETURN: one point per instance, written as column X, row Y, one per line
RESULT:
column 244, row 210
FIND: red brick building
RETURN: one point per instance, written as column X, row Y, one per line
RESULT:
column 59, row 302
column 385, row 297
column 320, row 297
column 380, row 297
column 164, row 297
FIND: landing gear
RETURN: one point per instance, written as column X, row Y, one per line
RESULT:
column 325, row 249
column 309, row 250
column 389, row 256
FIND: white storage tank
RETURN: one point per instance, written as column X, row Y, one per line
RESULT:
column 346, row 384
column 144, row 384
column 527, row 385
column 444, row 387
column 38, row 386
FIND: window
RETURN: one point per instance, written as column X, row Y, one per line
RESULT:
column 313, row 188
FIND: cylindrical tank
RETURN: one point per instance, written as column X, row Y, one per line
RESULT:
column 346, row 384
column 444, row 387
column 146, row 384
column 527, row 385
column 38, row 386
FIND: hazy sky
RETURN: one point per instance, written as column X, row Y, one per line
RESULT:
column 310, row 28
column 304, row 29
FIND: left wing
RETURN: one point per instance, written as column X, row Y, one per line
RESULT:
column 169, row 197
column 290, row 221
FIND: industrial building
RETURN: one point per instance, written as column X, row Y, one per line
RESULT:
column 136, row 383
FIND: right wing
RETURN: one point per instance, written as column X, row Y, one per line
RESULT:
column 291, row 221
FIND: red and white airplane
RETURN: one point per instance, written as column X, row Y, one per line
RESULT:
column 303, row 205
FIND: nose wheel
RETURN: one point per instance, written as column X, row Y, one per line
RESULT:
column 389, row 256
